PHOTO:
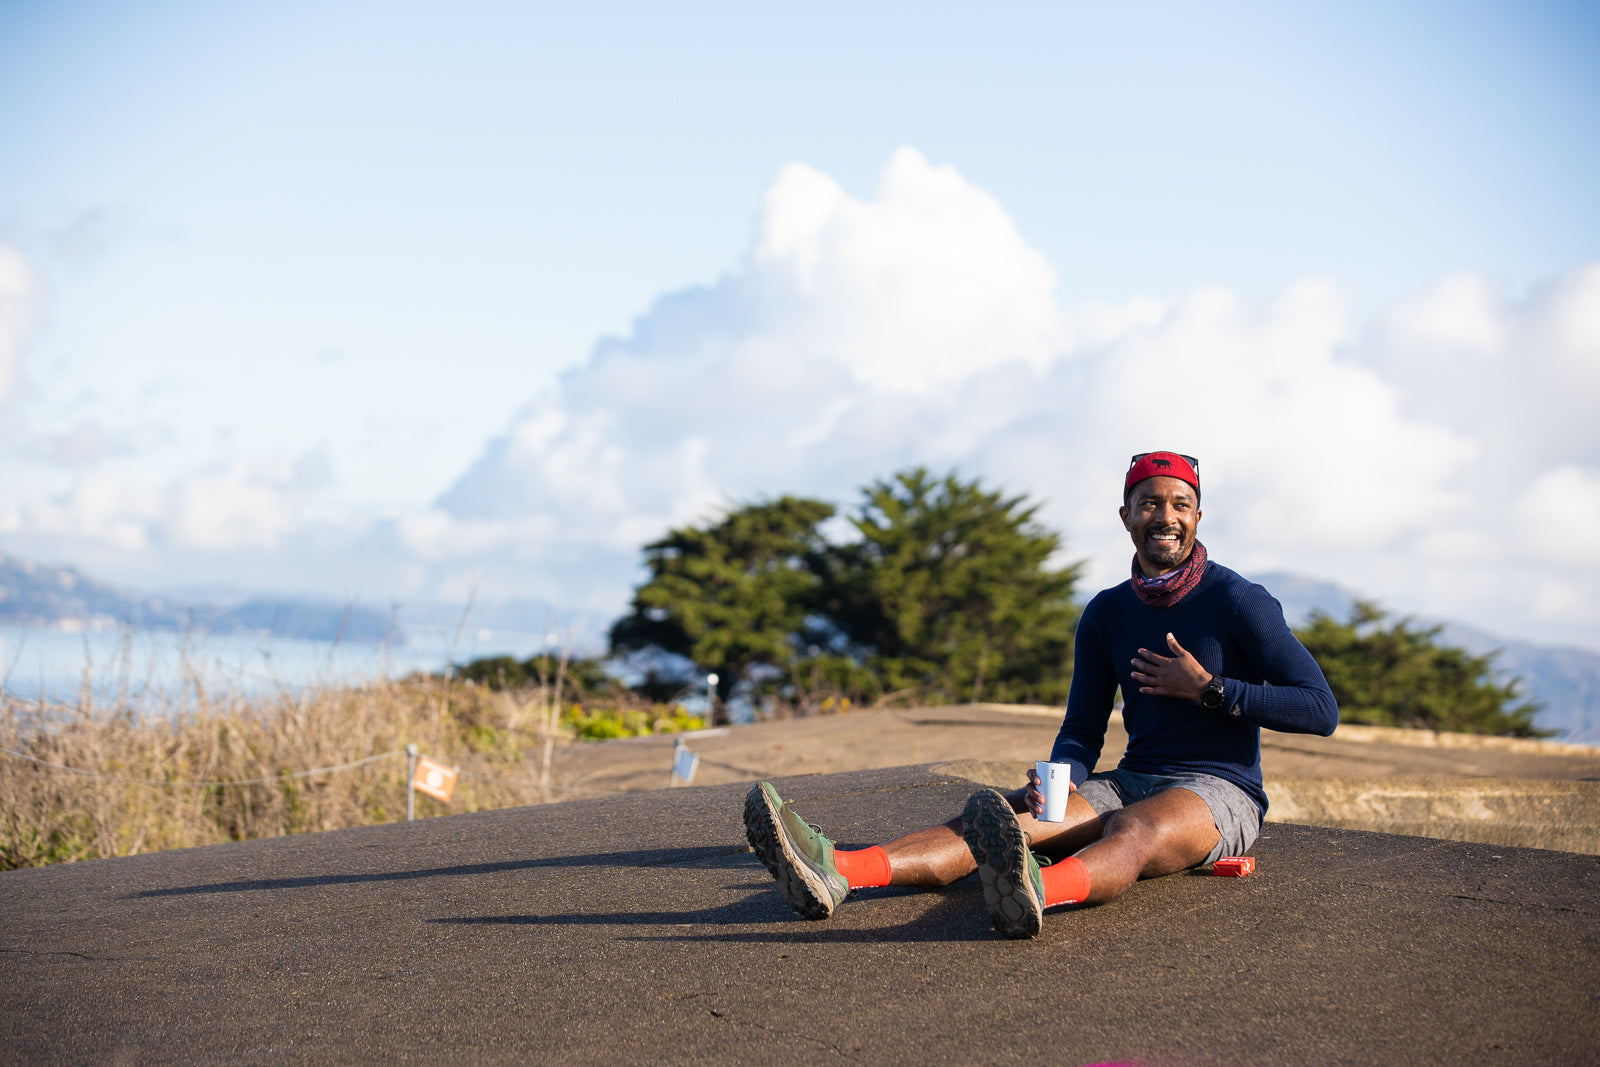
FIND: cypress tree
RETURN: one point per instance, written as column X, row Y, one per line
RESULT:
column 1400, row 675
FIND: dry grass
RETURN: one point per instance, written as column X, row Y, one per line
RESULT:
column 500, row 740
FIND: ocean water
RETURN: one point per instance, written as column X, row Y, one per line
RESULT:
column 155, row 669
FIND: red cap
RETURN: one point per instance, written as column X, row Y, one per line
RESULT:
column 1157, row 464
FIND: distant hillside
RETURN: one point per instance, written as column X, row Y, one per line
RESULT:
column 1565, row 680
column 311, row 620
column 63, row 598
column 35, row 594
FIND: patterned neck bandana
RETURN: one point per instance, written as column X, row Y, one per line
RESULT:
column 1167, row 590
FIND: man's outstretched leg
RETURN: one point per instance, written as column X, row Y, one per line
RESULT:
column 1164, row 833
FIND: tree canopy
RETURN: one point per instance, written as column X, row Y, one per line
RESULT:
column 946, row 589
column 733, row 595
column 949, row 590
column 580, row 676
column 1399, row 675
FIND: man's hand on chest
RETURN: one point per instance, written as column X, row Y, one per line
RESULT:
column 1178, row 675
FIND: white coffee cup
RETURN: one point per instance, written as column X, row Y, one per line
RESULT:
column 1055, row 782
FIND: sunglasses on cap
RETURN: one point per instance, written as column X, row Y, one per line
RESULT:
column 1190, row 460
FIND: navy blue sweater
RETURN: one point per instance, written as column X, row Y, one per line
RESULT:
column 1237, row 632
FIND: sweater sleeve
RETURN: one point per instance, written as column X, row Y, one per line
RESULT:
column 1296, row 698
column 1094, row 684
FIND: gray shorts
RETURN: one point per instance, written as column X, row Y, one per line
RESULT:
column 1238, row 818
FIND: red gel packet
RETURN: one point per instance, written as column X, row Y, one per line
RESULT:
column 1234, row 866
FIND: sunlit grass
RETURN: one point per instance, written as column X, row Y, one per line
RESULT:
column 501, row 740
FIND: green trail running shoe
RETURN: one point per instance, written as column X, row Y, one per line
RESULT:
column 1012, row 886
column 799, row 857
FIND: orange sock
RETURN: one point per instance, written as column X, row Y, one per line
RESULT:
column 863, row 867
column 1065, row 882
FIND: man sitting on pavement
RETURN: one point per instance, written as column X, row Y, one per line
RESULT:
column 1188, row 790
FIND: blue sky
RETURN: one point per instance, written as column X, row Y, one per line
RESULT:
column 284, row 280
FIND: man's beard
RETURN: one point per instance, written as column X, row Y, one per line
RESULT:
column 1166, row 553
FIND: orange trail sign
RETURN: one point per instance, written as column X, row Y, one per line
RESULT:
column 434, row 779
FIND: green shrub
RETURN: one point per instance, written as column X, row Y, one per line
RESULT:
column 602, row 723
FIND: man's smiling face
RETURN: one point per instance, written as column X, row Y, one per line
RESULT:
column 1161, row 516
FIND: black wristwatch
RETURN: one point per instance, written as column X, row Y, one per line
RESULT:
column 1213, row 696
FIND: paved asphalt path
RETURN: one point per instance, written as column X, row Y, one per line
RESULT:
column 638, row 929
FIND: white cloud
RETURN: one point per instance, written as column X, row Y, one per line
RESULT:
column 1461, row 316
column 244, row 506
column 921, row 288
column 1520, row 376
column 845, row 317
column 1557, row 514
column 234, row 508
column 860, row 336
column 101, row 507
column 16, row 313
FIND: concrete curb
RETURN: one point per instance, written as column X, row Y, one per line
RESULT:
column 1390, row 735
column 1493, row 811
column 1528, row 813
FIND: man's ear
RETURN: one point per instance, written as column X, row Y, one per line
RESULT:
column 1122, row 513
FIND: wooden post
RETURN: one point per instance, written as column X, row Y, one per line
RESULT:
column 411, row 787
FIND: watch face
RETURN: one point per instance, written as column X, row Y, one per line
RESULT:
column 1213, row 696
